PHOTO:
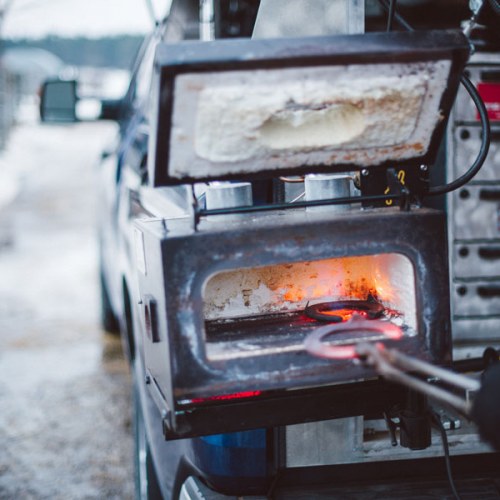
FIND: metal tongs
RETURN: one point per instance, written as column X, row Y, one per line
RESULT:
column 396, row 366
column 483, row 408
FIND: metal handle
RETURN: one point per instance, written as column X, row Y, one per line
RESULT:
column 489, row 253
column 488, row 292
column 393, row 365
column 489, row 194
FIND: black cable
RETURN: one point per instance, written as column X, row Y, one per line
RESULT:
column 485, row 143
column 444, row 438
column 390, row 14
column 483, row 116
column 401, row 20
column 272, row 489
column 495, row 5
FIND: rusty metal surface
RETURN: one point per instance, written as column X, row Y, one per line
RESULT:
column 272, row 239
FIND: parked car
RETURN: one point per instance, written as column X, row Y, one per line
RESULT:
column 250, row 206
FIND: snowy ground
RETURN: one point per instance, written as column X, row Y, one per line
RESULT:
column 65, row 418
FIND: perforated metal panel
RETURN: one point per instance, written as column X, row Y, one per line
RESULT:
column 474, row 213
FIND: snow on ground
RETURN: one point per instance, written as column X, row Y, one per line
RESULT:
column 65, row 419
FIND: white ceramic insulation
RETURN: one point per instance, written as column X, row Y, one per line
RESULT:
column 239, row 122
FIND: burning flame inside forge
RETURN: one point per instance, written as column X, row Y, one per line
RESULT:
column 349, row 277
column 327, row 290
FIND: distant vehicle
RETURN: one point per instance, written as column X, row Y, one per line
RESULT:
column 251, row 208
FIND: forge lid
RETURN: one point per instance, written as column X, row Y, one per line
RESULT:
column 248, row 109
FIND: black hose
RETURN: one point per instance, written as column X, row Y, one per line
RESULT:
column 401, row 20
column 483, row 116
column 390, row 15
column 485, row 143
column 437, row 421
column 495, row 5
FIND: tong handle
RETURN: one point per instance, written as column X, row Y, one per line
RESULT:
column 485, row 408
column 394, row 365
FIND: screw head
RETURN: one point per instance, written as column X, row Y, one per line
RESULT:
column 365, row 172
column 464, row 134
column 424, row 168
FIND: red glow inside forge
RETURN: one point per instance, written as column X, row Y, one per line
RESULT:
column 226, row 397
column 345, row 314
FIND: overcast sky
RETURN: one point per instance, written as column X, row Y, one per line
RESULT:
column 93, row 18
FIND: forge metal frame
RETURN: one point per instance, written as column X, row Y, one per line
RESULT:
column 172, row 308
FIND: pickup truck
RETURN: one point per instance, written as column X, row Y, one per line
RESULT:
column 264, row 210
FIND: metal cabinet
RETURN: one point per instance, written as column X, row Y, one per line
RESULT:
column 474, row 212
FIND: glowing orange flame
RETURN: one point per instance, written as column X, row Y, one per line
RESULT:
column 388, row 278
column 347, row 277
column 294, row 295
column 345, row 314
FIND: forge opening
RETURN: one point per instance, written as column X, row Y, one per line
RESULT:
column 278, row 305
